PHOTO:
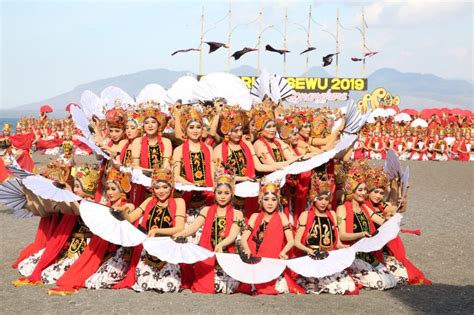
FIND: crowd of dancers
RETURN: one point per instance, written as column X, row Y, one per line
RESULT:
column 211, row 150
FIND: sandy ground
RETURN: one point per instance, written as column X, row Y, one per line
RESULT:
column 441, row 205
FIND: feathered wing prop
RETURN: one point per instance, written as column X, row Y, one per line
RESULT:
column 93, row 147
column 355, row 120
column 247, row 189
column 387, row 232
column 224, row 85
column 262, row 271
column 47, row 189
column 280, row 89
column 11, row 195
column 185, row 187
column 261, row 86
column 19, row 172
column 92, row 105
column 182, row 90
column 81, row 121
column 113, row 96
column 170, row 251
column 101, row 221
column 153, row 93
column 405, row 177
column 392, row 165
column 336, row 261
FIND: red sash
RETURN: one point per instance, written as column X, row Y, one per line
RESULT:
column 271, row 246
column 269, row 148
column 45, row 229
column 3, row 172
column 130, row 278
column 204, row 270
column 248, row 157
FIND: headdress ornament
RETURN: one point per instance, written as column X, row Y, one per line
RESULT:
column 88, row 176
column 162, row 175
column 116, row 118
column 231, row 119
column 188, row 115
column 121, row 179
column 269, row 187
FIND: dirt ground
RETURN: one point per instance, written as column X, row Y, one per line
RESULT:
column 440, row 204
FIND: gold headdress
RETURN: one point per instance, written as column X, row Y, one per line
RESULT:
column 119, row 178
column 269, row 187
column 157, row 114
column 116, row 118
column 231, row 119
column 376, row 178
column 188, row 115
column 318, row 124
column 321, row 183
column 261, row 117
column 58, row 170
column 162, row 175
column 287, row 127
column 7, row 126
column 135, row 117
column 88, row 177
column 353, row 178
column 226, row 179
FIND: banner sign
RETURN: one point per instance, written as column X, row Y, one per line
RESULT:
column 318, row 85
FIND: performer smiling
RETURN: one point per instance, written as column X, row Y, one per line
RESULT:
column 221, row 225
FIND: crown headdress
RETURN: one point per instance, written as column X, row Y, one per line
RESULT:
column 231, row 119
column 116, row 118
column 162, row 175
column 122, row 179
column 321, row 183
column 188, row 115
column 376, row 178
column 269, row 187
column 224, row 178
column 261, row 117
column 88, row 177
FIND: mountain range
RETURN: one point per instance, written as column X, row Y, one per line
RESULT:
column 415, row 90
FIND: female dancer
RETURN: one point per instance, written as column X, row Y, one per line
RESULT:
column 269, row 234
column 159, row 215
column 116, row 119
column 221, row 225
column 114, row 269
column 395, row 258
column 70, row 237
column 356, row 221
column 317, row 231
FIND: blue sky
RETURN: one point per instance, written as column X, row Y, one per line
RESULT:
column 49, row 47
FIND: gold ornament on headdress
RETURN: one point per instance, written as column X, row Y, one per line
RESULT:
column 231, row 119
column 321, row 183
column 88, row 176
column 7, row 126
column 224, row 178
column 376, row 178
column 162, row 175
column 188, row 115
column 58, row 170
column 157, row 114
column 318, row 124
column 269, row 187
column 116, row 118
column 120, row 179
column 353, row 178
column 287, row 127
column 136, row 117
column 261, row 117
